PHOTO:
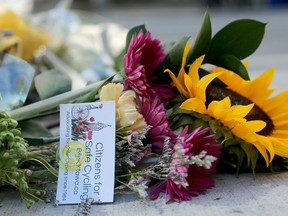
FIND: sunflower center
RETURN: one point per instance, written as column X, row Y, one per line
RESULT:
column 219, row 93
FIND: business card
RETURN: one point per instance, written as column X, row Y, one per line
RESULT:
column 87, row 152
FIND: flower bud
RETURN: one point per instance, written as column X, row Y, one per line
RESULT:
column 4, row 115
column 16, row 174
column 9, row 136
column 6, row 155
column 29, row 172
column 29, row 203
column 12, row 123
column 12, row 163
column 15, row 132
column 13, row 182
column 3, row 125
column 21, row 151
column 38, row 193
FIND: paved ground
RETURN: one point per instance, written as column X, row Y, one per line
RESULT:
column 266, row 194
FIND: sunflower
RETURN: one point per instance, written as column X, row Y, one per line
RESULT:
column 230, row 116
column 271, row 109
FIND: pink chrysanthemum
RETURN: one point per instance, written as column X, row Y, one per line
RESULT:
column 188, row 179
column 155, row 116
column 143, row 56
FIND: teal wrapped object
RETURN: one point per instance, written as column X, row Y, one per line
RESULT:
column 16, row 77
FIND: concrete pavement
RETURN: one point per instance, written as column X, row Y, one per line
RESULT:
column 263, row 195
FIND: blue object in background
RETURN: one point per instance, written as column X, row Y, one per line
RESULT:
column 16, row 77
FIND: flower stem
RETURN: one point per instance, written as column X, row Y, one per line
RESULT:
column 29, row 111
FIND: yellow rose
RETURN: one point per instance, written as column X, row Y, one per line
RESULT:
column 127, row 115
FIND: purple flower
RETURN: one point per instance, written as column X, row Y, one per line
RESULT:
column 29, row 172
column 155, row 116
column 143, row 56
column 186, row 179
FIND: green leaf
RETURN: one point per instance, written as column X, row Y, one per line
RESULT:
column 41, row 140
column 118, row 60
column 232, row 63
column 247, row 147
column 33, row 129
column 173, row 59
column 228, row 136
column 240, row 155
column 167, row 46
column 51, row 83
column 239, row 38
column 184, row 120
column 92, row 95
column 134, row 31
column 214, row 125
column 36, row 134
column 251, row 153
column 254, row 156
column 202, row 41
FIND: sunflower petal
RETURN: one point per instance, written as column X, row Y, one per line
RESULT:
column 202, row 85
column 263, row 92
column 193, row 69
column 244, row 133
column 194, row 104
column 262, row 144
column 185, row 53
column 263, row 152
column 255, row 125
column 267, row 144
column 280, row 147
column 189, row 86
column 241, row 110
column 177, row 83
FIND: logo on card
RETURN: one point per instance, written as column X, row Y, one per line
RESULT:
column 83, row 124
column 73, row 156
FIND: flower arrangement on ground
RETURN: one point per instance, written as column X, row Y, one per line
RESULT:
column 178, row 119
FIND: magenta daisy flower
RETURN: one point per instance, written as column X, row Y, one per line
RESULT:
column 143, row 56
column 193, row 161
column 155, row 116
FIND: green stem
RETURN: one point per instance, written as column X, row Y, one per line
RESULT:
column 42, row 161
column 157, row 175
column 126, row 185
column 29, row 111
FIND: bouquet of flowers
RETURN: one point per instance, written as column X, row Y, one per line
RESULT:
column 183, row 112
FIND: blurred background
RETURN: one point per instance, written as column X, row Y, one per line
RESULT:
column 100, row 4
column 168, row 20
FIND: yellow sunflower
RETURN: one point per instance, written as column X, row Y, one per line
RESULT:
column 189, row 85
column 194, row 89
column 272, row 109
